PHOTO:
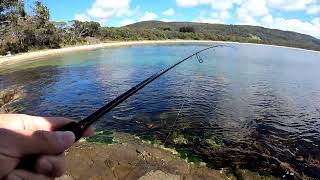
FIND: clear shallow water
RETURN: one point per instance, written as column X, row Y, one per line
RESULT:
column 250, row 106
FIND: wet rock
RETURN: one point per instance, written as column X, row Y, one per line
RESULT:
column 66, row 177
column 130, row 159
column 178, row 138
column 159, row 175
column 8, row 97
column 249, row 175
column 214, row 142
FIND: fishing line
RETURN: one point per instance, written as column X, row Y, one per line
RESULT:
column 177, row 117
column 200, row 60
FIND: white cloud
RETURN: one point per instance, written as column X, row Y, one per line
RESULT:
column 250, row 9
column 310, row 6
column 316, row 21
column 289, row 5
column 187, row 3
column 253, row 13
column 214, row 14
column 82, row 17
column 222, row 16
column 297, row 25
column 106, row 8
column 223, row 4
column 209, row 20
column 225, row 15
column 169, row 12
column 102, row 10
column 167, row 20
column 314, row 9
column 127, row 22
column 246, row 19
column 253, row 8
column 215, row 17
column 311, row 28
column 267, row 20
column 215, row 4
column 204, row 17
column 148, row 16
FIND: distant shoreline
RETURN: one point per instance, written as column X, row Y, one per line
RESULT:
column 29, row 56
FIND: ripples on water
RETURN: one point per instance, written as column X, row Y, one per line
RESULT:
column 246, row 106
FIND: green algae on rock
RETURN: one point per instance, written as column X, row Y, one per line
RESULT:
column 215, row 142
column 104, row 137
column 179, row 138
column 129, row 157
column 129, row 160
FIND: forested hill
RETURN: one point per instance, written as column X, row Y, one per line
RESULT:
column 239, row 33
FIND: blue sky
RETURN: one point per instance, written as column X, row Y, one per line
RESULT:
column 295, row 15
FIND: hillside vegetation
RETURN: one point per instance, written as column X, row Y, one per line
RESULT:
column 21, row 32
column 237, row 33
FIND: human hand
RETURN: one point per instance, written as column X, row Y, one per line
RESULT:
column 23, row 135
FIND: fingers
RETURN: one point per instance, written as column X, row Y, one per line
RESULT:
column 34, row 123
column 26, row 122
column 44, row 142
column 89, row 132
column 22, row 143
column 26, row 175
column 51, row 166
column 7, row 164
column 57, row 122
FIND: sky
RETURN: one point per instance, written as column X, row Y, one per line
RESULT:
column 302, row 16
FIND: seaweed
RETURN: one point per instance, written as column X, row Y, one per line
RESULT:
column 103, row 137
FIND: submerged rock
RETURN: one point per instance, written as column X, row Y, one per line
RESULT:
column 179, row 138
column 214, row 142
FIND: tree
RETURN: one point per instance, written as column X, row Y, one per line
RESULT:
column 42, row 14
column 10, row 12
column 7, row 9
column 84, row 29
column 25, row 32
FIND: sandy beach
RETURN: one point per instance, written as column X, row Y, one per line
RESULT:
column 29, row 56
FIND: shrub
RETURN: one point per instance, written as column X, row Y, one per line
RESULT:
column 187, row 29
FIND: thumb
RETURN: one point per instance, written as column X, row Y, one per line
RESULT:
column 39, row 142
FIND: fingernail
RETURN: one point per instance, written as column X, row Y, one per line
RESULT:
column 66, row 138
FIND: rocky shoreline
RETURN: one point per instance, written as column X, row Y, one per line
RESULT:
column 123, row 156
column 8, row 97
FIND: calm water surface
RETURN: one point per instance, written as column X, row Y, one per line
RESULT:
column 249, row 106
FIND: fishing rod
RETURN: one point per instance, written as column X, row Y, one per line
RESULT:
column 78, row 128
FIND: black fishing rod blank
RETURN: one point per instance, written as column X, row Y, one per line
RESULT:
column 78, row 128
